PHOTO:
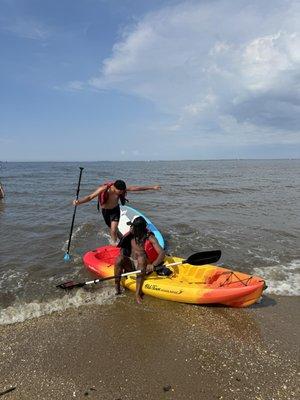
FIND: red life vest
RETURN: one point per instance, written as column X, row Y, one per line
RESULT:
column 152, row 254
column 103, row 196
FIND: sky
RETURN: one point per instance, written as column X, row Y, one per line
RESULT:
column 92, row 80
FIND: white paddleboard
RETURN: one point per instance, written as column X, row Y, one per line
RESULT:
column 128, row 214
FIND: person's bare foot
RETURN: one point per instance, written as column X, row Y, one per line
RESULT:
column 139, row 299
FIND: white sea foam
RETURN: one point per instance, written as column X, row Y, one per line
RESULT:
column 263, row 257
column 282, row 279
column 104, row 234
column 22, row 312
column 12, row 276
column 74, row 235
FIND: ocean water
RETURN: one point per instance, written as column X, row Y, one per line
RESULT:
column 247, row 208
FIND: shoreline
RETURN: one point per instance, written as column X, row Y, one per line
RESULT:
column 160, row 350
column 146, row 161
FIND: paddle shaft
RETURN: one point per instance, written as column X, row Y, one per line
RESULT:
column 125, row 274
column 176, row 263
column 113, row 277
column 75, row 207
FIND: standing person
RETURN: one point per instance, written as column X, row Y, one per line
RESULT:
column 139, row 250
column 2, row 194
column 109, row 195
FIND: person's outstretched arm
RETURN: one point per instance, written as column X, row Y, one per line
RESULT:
column 142, row 188
column 90, row 196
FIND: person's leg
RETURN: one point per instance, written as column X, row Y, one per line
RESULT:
column 142, row 265
column 117, row 272
column 115, row 218
column 122, row 264
column 114, row 232
column 106, row 216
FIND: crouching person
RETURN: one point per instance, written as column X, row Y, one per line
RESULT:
column 140, row 250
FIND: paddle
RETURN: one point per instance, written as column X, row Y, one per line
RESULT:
column 67, row 255
column 72, row 284
column 205, row 257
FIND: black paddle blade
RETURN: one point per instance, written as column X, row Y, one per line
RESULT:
column 70, row 285
column 205, row 257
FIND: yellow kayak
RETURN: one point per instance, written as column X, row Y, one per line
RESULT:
column 205, row 284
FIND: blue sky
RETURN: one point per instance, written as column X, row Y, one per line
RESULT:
column 149, row 80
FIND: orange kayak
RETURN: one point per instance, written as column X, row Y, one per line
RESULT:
column 205, row 284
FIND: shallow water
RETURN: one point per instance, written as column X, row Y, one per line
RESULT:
column 247, row 208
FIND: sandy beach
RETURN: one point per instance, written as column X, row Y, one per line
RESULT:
column 159, row 350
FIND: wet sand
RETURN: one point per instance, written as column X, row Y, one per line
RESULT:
column 160, row 350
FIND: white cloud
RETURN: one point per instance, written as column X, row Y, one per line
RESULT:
column 219, row 47
column 76, row 85
column 265, row 59
column 215, row 67
column 195, row 109
column 26, row 28
column 72, row 86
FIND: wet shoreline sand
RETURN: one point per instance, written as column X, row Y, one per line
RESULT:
column 160, row 350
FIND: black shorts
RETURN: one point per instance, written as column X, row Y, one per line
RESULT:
column 111, row 214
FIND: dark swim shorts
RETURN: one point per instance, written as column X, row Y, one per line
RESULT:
column 111, row 214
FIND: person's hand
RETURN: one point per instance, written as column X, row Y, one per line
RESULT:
column 157, row 187
column 75, row 202
column 149, row 269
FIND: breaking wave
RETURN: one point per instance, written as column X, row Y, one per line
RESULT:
column 282, row 279
column 22, row 312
